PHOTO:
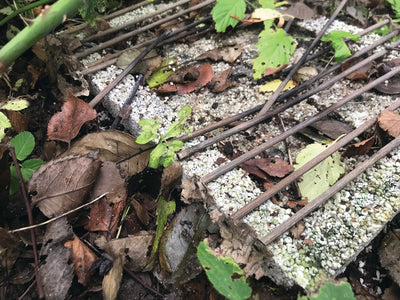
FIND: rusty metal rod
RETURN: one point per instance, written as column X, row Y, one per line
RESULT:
column 307, row 166
column 281, row 108
column 241, row 159
column 139, row 30
column 133, row 22
column 321, row 199
column 258, row 119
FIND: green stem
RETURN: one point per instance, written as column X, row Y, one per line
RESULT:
column 43, row 24
column 23, row 9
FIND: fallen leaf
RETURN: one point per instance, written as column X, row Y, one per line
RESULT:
column 205, row 75
column 389, row 255
column 170, row 179
column 135, row 247
column 82, row 258
column 360, row 148
column 114, row 145
column 227, row 54
column 263, row 14
column 18, row 121
column 56, row 270
column 63, row 184
column 270, row 71
column 298, row 229
column 105, row 214
column 274, row 84
column 112, row 281
column 361, row 73
column 65, row 125
column 305, row 73
column 9, row 250
column 141, row 212
column 274, row 167
column 293, row 203
column 389, row 121
column 221, row 81
column 392, row 85
column 299, row 10
column 332, row 128
column 150, row 62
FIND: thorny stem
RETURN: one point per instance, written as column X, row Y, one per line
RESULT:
column 30, row 219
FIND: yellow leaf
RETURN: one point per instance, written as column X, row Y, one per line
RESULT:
column 263, row 14
column 274, row 84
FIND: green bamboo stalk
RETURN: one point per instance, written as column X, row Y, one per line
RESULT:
column 22, row 9
column 43, row 24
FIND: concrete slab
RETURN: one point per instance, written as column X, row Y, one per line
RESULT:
column 336, row 232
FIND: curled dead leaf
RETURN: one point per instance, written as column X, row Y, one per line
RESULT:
column 65, row 125
column 82, row 258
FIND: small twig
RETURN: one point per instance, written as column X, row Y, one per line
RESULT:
column 273, row 98
column 125, row 72
column 128, row 101
column 321, row 199
column 27, row 290
column 241, row 159
column 30, row 220
column 58, row 217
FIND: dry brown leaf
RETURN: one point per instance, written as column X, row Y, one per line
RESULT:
column 270, row 71
column 141, row 212
column 82, row 258
column 134, row 246
column 65, row 125
column 112, row 281
column 193, row 79
column 221, row 81
column 251, row 167
column 9, row 250
column 18, row 121
column 274, row 167
column 390, row 121
column 108, row 179
column 298, row 229
column 63, row 184
column 360, row 148
column 332, row 128
column 114, row 145
column 105, row 214
column 170, row 178
column 227, row 54
column 392, row 85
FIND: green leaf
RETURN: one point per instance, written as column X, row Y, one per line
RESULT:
column 267, row 3
column 4, row 123
column 6, row 10
column 167, row 68
column 184, row 113
column 338, row 44
column 29, row 166
column 164, row 209
column 156, row 154
column 88, row 11
column 167, row 158
column 15, row 104
column 23, row 143
column 222, row 11
column 220, row 272
column 175, row 145
column 149, row 131
column 318, row 179
column 275, row 49
column 14, row 182
column 395, row 7
column 331, row 291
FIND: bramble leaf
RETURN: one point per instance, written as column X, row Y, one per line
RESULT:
column 221, row 271
column 267, row 3
column 318, row 179
column 23, row 143
column 222, row 11
column 275, row 49
column 338, row 44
